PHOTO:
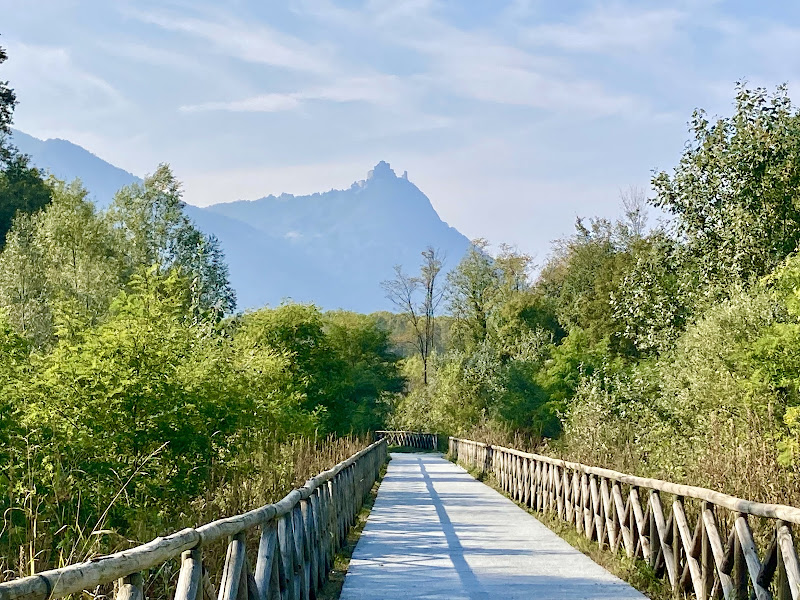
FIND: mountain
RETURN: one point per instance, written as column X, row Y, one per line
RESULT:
column 67, row 161
column 332, row 248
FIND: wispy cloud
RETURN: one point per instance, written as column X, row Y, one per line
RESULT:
column 480, row 68
column 43, row 74
column 479, row 65
column 380, row 90
column 263, row 103
column 249, row 42
column 609, row 28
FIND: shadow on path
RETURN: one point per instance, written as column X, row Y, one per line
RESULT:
column 437, row 533
column 468, row 579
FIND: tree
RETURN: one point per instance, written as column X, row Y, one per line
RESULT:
column 125, row 409
column 60, row 268
column 583, row 275
column 22, row 188
column 8, row 101
column 23, row 281
column 634, row 204
column 202, row 257
column 151, row 218
column 654, row 301
column 371, row 375
column 83, row 264
column 472, row 287
column 297, row 332
column 418, row 298
column 735, row 194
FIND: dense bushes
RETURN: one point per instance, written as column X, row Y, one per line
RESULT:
column 132, row 400
column 673, row 351
column 126, row 393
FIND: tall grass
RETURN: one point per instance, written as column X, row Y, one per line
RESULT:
column 38, row 539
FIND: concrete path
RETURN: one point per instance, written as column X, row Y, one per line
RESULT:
column 435, row 532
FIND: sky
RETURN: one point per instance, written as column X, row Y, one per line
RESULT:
column 513, row 116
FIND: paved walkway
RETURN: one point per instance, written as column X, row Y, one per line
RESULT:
column 435, row 532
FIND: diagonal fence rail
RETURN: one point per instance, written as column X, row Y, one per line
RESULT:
column 410, row 439
column 299, row 536
column 704, row 542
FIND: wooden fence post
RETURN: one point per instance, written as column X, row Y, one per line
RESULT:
column 131, row 587
column 191, row 575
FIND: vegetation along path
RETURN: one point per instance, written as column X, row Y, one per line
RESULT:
column 435, row 532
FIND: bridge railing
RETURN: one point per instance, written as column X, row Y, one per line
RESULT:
column 299, row 536
column 410, row 439
column 717, row 556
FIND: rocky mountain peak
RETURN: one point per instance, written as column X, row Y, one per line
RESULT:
column 382, row 171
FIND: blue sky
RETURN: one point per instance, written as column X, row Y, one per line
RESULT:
column 513, row 116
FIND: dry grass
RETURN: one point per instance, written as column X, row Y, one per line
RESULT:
column 262, row 476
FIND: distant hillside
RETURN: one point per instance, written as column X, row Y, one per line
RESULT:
column 353, row 237
column 66, row 161
column 332, row 248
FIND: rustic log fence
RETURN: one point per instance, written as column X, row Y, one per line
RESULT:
column 716, row 557
column 410, row 439
column 299, row 536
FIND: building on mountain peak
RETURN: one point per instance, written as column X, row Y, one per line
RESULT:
column 382, row 171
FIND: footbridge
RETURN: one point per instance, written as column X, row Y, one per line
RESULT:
column 435, row 531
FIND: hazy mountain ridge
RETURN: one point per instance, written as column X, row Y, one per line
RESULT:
column 332, row 248
column 66, row 161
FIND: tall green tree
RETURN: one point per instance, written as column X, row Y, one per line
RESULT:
column 21, row 186
column 735, row 194
column 23, row 281
column 84, row 266
column 60, row 268
column 473, row 285
column 371, row 374
column 156, row 230
column 8, row 100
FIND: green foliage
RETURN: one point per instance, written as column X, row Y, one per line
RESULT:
column 735, row 190
column 342, row 364
column 296, row 331
column 7, row 100
column 13, row 363
column 22, row 189
column 115, row 404
column 155, row 230
column 473, row 284
column 125, row 395
column 500, row 337
column 673, row 352
column 60, row 268
column 656, row 295
column 23, row 283
column 131, row 403
column 585, row 273
column 371, row 376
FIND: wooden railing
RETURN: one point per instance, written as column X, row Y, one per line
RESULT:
column 299, row 536
column 410, row 439
column 609, row 507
